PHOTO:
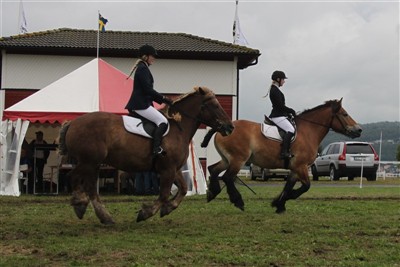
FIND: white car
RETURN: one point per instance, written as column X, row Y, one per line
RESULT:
column 342, row 159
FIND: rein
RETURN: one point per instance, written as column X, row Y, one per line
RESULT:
column 323, row 125
column 317, row 123
column 189, row 115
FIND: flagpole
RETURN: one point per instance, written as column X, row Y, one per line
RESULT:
column 19, row 17
column 98, row 32
column 235, row 22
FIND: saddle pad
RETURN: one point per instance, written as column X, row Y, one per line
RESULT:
column 272, row 132
column 135, row 125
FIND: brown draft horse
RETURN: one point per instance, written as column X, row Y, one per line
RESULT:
column 248, row 144
column 99, row 137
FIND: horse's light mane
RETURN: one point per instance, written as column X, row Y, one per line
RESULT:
column 176, row 116
column 326, row 104
column 195, row 90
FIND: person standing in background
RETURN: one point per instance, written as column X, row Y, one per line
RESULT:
column 39, row 159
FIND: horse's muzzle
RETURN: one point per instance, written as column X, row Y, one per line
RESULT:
column 354, row 131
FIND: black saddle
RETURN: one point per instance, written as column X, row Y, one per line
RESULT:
column 148, row 125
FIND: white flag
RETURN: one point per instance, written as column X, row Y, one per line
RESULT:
column 238, row 37
column 23, row 27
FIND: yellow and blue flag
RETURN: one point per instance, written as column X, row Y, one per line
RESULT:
column 102, row 23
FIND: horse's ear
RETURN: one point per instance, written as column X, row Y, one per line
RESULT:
column 201, row 91
column 337, row 105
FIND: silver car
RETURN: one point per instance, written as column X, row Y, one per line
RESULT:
column 265, row 174
column 341, row 159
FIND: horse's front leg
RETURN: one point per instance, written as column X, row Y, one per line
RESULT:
column 214, row 188
column 290, row 193
column 148, row 210
column 169, row 206
column 280, row 201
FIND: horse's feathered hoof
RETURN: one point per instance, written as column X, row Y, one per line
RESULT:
column 210, row 196
column 280, row 207
column 280, row 210
column 238, row 202
column 140, row 216
column 108, row 222
column 164, row 211
column 241, row 207
column 80, row 210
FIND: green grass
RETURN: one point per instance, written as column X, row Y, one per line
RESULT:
column 328, row 226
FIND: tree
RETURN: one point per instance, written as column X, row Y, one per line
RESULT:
column 398, row 153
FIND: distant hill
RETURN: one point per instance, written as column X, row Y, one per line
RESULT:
column 372, row 133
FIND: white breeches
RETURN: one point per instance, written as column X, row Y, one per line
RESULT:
column 153, row 115
column 283, row 123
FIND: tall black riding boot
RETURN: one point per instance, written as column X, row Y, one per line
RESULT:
column 285, row 153
column 157, row 139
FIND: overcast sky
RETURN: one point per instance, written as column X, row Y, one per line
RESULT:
column 328, row 49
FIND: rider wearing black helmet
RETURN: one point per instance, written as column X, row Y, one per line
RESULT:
column 280, row 111
column 143, row 95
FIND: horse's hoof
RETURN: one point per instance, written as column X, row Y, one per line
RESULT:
column 80, row 210
column 210, row 196
column 280, row 210
column 164, row 211
column 239, row 204
column 108, row 222
column 140, row 216
column 241, row 207
column 280, row 207
column 275, row 203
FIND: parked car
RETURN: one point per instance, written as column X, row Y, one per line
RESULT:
column 265, row 174
column 341, row 159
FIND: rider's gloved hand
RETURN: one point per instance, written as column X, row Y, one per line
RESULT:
column 167, row 101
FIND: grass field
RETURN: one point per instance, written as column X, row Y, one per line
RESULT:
column 334, row 224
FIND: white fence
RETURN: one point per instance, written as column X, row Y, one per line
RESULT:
column 388, row 169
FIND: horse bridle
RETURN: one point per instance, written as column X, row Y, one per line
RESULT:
column 335, row 115
column 203, row 105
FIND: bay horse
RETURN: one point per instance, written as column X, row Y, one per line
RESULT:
column 248, row 144
column 100, row 138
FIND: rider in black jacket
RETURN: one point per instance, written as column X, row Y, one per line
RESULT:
column 280, row 111
column 143, row 95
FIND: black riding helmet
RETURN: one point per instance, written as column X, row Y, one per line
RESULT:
column 278, row 74
column 147, row 50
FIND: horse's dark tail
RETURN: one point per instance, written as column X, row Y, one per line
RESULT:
column 63, row 132
column 207, row 138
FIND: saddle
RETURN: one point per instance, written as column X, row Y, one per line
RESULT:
column 271, row 131
column 136, row 124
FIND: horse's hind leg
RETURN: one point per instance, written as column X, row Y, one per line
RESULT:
column 90, row 185
column 229, row 179
column 80, row 199
column 214, row 188
column 84, row 178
